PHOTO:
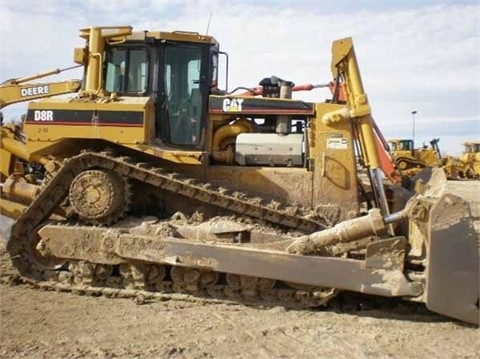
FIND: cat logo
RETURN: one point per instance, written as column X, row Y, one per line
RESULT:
column 232, row 105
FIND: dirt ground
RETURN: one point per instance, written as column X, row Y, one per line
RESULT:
column 38, row 324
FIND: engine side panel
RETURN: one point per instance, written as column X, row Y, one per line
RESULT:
column 122, row 122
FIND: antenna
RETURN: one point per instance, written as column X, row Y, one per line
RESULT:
column 208, row 25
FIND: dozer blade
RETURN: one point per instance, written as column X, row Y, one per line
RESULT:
column 453, row 255
column 452, row 248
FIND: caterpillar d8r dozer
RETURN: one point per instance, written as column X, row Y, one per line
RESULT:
column 152, row 180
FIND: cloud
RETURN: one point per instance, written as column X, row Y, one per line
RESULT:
column 412, row 56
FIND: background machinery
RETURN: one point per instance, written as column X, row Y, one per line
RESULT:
column 151, row 179
column 470, row 160
column 19, row 90
column 22, row 89
column 410, row 160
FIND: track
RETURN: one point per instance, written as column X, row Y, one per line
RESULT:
column 134, row 279
column 406, row 163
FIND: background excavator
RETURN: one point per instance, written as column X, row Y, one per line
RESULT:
column 151, row 179
column 20, row 90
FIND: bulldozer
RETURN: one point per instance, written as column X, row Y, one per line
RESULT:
column 410, row 161
column 152, row 179
column 470, row 160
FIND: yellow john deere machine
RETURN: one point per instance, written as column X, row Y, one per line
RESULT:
column 153, row 180
column 19, row 90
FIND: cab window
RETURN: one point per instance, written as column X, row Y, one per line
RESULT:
column 126, row 70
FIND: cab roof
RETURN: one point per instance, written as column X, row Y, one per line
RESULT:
column 184, row 36
column 122, row 33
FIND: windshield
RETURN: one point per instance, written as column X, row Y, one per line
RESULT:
column 406, row 145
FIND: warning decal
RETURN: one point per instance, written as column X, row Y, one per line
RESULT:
column 337, row 143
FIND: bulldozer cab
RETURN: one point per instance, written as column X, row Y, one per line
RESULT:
column 176, row 74
column 472, row 147
column 401, row 145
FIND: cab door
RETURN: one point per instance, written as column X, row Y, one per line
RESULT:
column 183, row 92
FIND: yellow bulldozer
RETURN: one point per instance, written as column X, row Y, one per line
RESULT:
column 410, row 160
column 470, row 160
column 152, row 179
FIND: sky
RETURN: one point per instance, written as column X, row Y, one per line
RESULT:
column 412, row 56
